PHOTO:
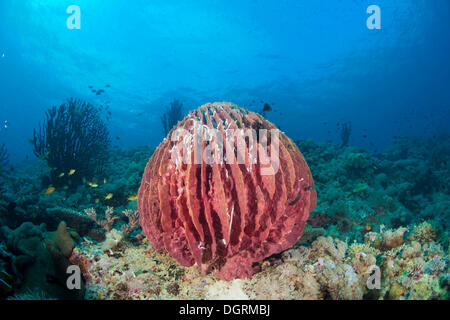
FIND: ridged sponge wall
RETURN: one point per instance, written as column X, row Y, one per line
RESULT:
column 220, row 213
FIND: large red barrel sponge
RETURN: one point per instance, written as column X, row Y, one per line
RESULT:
column 230, row 207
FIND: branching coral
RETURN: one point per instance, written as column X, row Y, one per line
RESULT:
column 73, row 136
column 109, row 220
column 133, row 222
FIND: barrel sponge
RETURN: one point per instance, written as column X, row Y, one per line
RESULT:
column 227, row 213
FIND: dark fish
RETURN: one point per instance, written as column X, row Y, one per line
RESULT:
column 295, row 200
column 93, row 90
column 90, row 87
column 98, row 93
column 107, row 86
column 267, row 107
column 364, row 136
column 117, row 138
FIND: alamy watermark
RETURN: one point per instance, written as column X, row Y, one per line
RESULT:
column 74, row 20
column 374, row 20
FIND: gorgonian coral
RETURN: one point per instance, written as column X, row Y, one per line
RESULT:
column 171, row 116
column 73, row 137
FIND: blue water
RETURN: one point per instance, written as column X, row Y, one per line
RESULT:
column 315, row 62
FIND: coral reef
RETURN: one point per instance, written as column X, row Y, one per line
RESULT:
column 328, row 269
column 3, row 158
column 225, row 215
column 73, row 137
column 32, row 265
column 403, row 187
column 359, row 191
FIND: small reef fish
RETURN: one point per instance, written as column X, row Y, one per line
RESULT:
column 49, row 191
column 61, row 175
column 45, row 155
column 109, row 196
column 368, row 228
column 93, row 185
column 104, row 181
column 97, row 200
column 132, row 198
column 71, row 172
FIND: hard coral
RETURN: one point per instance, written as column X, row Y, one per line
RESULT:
column 225, row 215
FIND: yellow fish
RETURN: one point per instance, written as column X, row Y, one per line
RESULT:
column 49, row 191
column 61, row 175
column 375, row 167
column 93, row 185
column 42, row 157
column 132, row 198
column 104, row 180
column 71, row 172
column 109, row 196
